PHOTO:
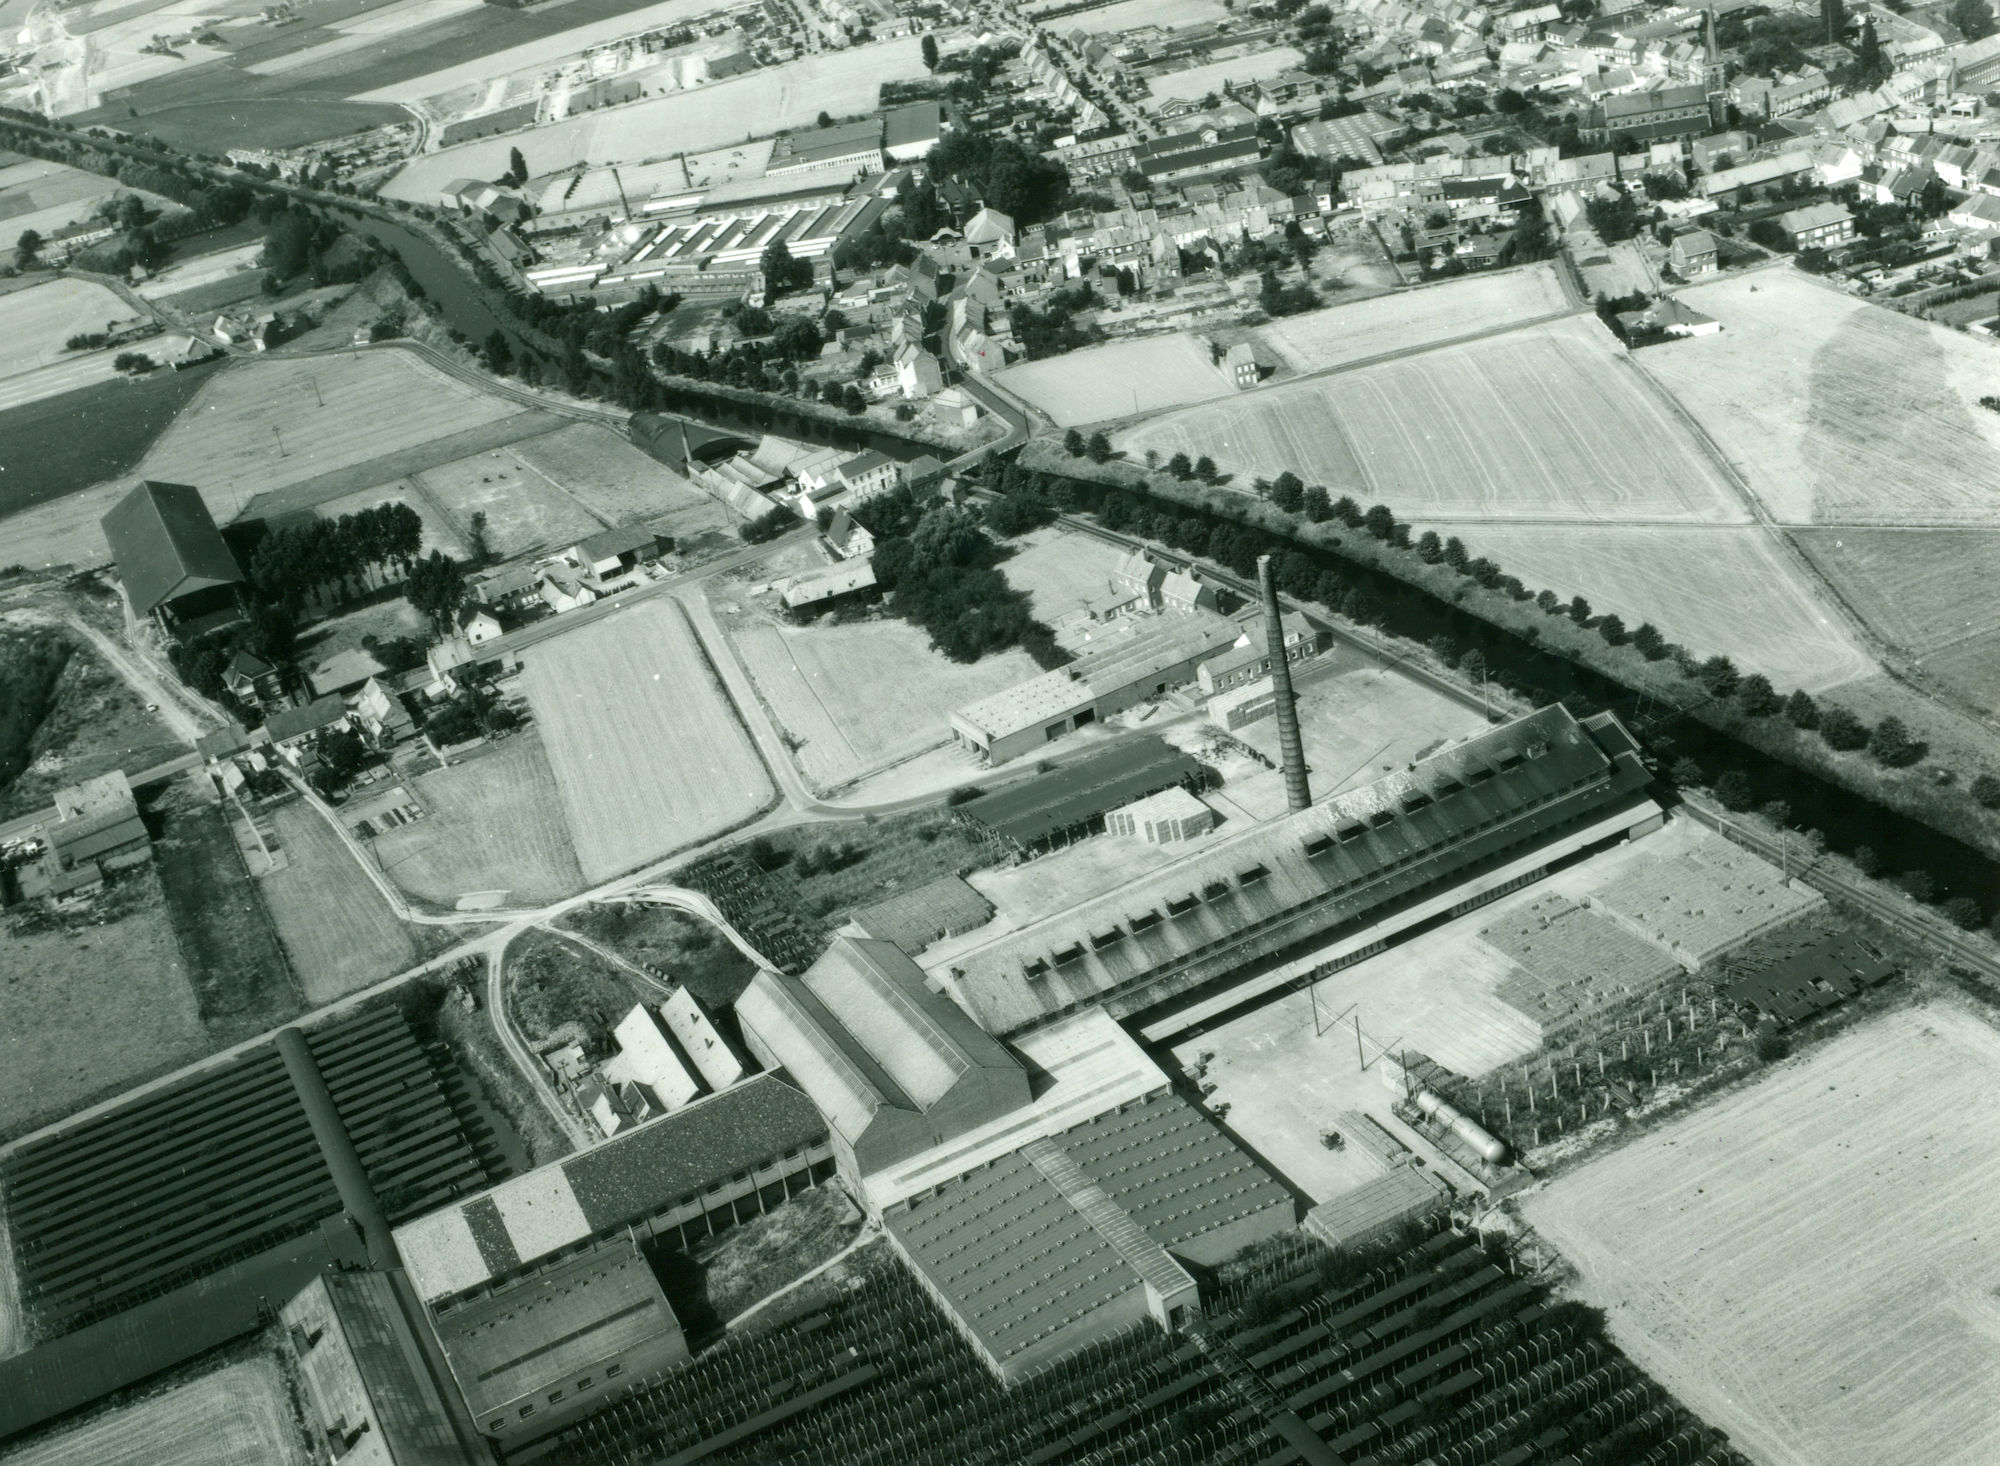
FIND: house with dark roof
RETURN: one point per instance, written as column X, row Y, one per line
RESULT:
column 609, row 559
column 290, row 729
column 252, row 681
column 171, row 558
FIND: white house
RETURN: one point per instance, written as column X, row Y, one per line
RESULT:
column 868, row 473
column 563, row 589
column 847, row 538
column 477, row 625
column 918, row 374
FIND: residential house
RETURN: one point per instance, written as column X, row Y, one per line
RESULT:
column 253, row 681
column 1667, row 316
column 1818, row 226
column 1140, row 577
column 610, row 559
column 989, row 233
column 847, row 537
column 918, row 374
column 477, row 625
column 1694, row 253
column 293, row 729
column 1180, row 591
column 867, row 474
column 381, row 714
column 1239, row 366
column 1250, row 657
column 563, row 588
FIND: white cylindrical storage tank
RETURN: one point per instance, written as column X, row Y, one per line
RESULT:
column 1462, row 1125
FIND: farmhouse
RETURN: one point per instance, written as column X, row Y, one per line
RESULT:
column 610, row 558
column 1668, row 316
column 504, row 588
column 545, row 1348
column 847, row 537
column 1136, row 659
column 563, row 589
column 895, row 1068
column 477, row 626
column 1355, row 870
column 172, row 562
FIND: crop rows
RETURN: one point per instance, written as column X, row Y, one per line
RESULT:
column 1434, row 1355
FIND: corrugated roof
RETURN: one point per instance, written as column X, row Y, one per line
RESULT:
column 1106, row 780
column 166, row 545
column 915, row 918
column 924, row 1042
column 1333, row 862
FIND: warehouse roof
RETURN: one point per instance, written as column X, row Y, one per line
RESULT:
column 1375, row 1206
column 166, row 545
column 817, row 144
column 915, row 123
column 1335, row 861
column 915, row 918
column 645, row 1170
column 1076, row 792
column 93, row 817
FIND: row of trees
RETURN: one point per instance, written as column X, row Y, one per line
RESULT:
column 337, row 555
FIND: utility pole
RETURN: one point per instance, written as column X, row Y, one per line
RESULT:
column 315, row 386
column 281, row 441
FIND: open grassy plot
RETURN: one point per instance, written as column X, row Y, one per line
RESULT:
column 1542, row 424
column 648, row 753
column 1197, row 82
column 45, row 197
column 1918, row 589
column 85, row 722
column 846, row 866
column 1837, row 411
column 864, row 695
column 1808, row 1262
column 57, row 445
column 34, row 323
column 792, row 95
column 241, row 1415
column 1971, row 668
column 732, row 1271
column 495, row 824
column 92, row 1008
column 340, row 932
column 241, row 982
column 523, row 510
column 1059, row 571
column 76, row 370
column 557, row 989
column 1118, row 379
column 1733, row 591
column 263, row 424
column 618, row 483
column 1412, row 318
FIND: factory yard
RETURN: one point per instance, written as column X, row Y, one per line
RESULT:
column 1836, row 411
column 648, row 753
column 336, row 927
column 1542, row 424
column 1733, row 591
column 1410, row 320
column 1118, row 379
column 258, row 426
column 239, row 1415
column 775, row 98
column 494, row 823
column 1808, row 1263
column 860, row 696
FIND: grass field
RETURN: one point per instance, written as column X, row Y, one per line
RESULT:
column 1728, row 591
column 523, row 510
column 1118, row 379
column 1543, row 424
column 1971, row 668
column 792, row 95
column 93, row 723
column 1348, row 333
column 1808, row 1262
column 648, row 753
column 1059, row 571
column 1836, row 411
column 240, row 1415
column 58, row 445
column 59, row 987
column 242, row 985
column 617, row 482
column 260, row 425
column 762, row 1255
column 340, row 932
column 495, row 824
column 439, row 531
column 35, row 323
column 864, row 695
column 43, row 196
column 1918, row 589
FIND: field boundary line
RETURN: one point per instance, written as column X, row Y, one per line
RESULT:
column 565, row 493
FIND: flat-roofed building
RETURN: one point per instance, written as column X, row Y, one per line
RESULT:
column 895, row 1068
column 1237, row 915
column 909, row 133
column 560, row 1342
column 849, row 147
column 1172, row 814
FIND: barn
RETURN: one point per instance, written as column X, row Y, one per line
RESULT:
column 171, row 558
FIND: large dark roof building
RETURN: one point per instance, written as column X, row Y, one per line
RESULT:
column 1073, row 799
column 171, row 557
column 1489, row 811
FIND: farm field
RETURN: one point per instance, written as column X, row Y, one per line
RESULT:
column 1542, row 424
column 58, row 989
column 1917, row 589
column 495, row 824
column 1971, row 668
column 235, row 262
column 618, row 483
column 44, row 455
column 1134, row 13
column 1807, row 1262
column 1836, row 411
column 261, row 425
column 1118, row 379
column 864, row 695
column 1340, row 334
column 648, row 753
column 339, row 931
column 240, row 1415
column 792, row 95
column 523, row 510
column 1059, row 571
column 74, row 371
column 45, row 197
column 35, row 322
column 1731, row 591
column 1197, row 82
column 366, row 29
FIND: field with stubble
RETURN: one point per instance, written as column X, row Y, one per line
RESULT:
column 1808, row 1263
column 648, row 754
column 241, row 1415
column 1543, row 424
column 333, row 921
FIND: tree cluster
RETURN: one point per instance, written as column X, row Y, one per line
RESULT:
column 336, row 554
column 1054, row 329
column 1021, row 184
column 941, row 570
